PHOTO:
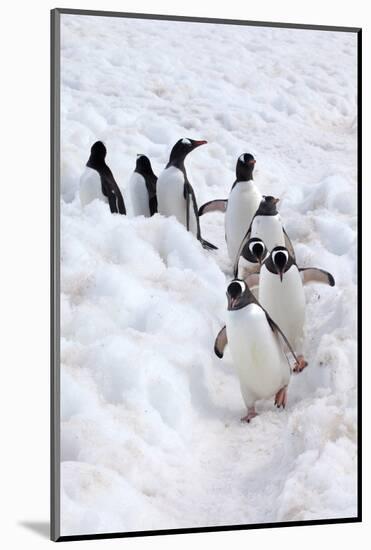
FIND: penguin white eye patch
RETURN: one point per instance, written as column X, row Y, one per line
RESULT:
column 242, row 159
column 186, row 141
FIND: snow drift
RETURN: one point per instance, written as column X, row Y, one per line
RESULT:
column 150, row 434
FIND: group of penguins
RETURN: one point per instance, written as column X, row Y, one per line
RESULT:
column 266, row 301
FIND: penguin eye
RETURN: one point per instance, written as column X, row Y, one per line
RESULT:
column 241, row 284
column 236, row 288
column 256, row 247
column 280, row 257
column 186, row 141
column 242, row 157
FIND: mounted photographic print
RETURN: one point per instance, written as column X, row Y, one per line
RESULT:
column 206, row 192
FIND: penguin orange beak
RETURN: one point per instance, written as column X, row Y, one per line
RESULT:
column 232, row 301
column 198, row 143
column 258, row 253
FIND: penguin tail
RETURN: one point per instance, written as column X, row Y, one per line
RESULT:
column 207, row 245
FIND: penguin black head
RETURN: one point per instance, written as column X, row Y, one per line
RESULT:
column 254, row 250
column 98, row 153
column 280, row 258
column 238, row 294
column 267, row 206
column 182, row 148
column 245, row 167
column 143, row 165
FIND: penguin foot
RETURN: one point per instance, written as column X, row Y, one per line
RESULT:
column 280, row 399
column 251, row 413
column 207, row 245
column 300, row 365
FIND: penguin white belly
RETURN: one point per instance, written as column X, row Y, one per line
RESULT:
column 139, row 195
column 90, row 187
column 260, row 363
column 170, row 197
column 243, row 202
column 269, row 230
column 285, row 303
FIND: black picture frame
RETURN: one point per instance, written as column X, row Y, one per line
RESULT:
column 55, row 273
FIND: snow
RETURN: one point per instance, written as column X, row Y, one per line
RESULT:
column 150, row 433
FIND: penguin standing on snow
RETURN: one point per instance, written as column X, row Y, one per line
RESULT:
column 281, row 294
column 97, row 182
column 142, row 187
column 242, row 203
column 175, row 195
column 266, row 225
column 257, row 348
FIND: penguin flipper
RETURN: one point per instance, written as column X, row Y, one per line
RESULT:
column 151, row 190
column 288, row 244
column 276, row 329
column 107, row 192
column 242, row 246
column 315, row 275
column 189, row 195
column 114, row 195
column 220, row 342
column 218, row 205
column 207, row 245
column 104, row 189
column 153, row 205
column 120, row 200
column 112, row 202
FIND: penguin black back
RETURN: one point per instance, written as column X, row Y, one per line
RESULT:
column 110, row 189
column 144, row 168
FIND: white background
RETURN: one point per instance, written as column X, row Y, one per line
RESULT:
column 24, row 299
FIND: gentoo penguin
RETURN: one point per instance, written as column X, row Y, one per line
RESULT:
column 267, row 226
column 97, row 182
column 142, row 187
column 256, row 345
column 243, row 201
column 175, row 195
column 281, row 294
